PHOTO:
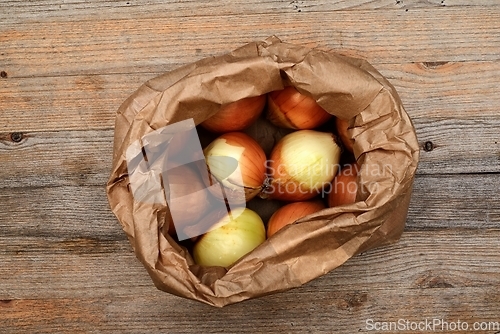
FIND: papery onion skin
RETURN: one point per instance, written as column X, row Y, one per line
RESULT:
column 189, row 201
column 288, row 108
column 237, row 115
column 235, row 237
column 290, row 213
column 251, row 163
column 342, row 128
column 344, row 186
column 301, row 164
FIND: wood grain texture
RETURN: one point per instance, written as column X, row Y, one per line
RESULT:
column 152, row 42
column 438, row 202
column 59, row 158
column 120, row 297
column 18, row 9
column 455, row 201
column 68, row 102
column 343, row 312
column 56, row 158
column 428, row 90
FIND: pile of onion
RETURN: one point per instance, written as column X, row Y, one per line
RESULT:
column 303, row 161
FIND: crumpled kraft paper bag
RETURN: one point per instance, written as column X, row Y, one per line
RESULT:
column 386, row 149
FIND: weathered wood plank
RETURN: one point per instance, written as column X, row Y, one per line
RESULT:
column 52, row 316
column 446, row 89
column 469, row 145
column 20, row 10
column 428, row 91
column 67, row 212
column 340, row 311
column 151, row 42
column 59, row 265
column 468, row 201
column 335, row 311
column 84, row 157
column 80, row 157
column 74, row 266
column 444, row 201
column 423, row 276
column 70, row 102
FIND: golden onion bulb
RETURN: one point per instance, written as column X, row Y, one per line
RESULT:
column 301, row 164
column 234, row 236
column 288, row 108
column 237, row 115
column 238, row 162
column 291, row 212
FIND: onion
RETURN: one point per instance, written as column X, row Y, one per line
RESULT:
column 344, row 186
column 238, row 162
column 235, row 235
column 187, row 197
column 291, row 109
column 342, row 126
column 301, row 164
column 178, row 143
column 290, row 213
column 210, row 219
column 237, row 115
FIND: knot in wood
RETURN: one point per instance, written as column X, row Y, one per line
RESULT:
column 16, row 137
column 428, row 146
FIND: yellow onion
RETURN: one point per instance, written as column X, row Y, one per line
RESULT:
column 301, row 164
column 291, row 109
column 234, row 236
column 237, row 115
column 290, row 213
column 238, row 162
column 344, row 186
column 342, row 126
column 187, row 197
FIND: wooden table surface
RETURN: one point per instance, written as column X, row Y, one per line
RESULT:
column 66, row 66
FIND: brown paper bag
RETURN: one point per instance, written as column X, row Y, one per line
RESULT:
column 386, row 149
